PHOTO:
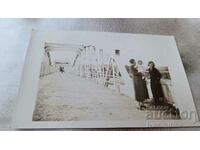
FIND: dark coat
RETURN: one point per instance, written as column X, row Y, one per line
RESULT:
column 140, row 87
column 156, row 88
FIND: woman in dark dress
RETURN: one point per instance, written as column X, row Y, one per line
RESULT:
column 156, row 88
column 141, row 93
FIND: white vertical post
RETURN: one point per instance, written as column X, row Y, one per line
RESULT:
column 113, row 72
column 118, row 81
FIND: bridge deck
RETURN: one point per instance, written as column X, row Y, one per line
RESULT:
column 66, row 97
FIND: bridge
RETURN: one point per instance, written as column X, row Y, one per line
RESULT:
column 93, row 86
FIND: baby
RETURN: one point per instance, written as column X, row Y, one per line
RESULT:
column 141, row 68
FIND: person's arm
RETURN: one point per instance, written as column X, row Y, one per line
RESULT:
column 158, row 74
column 129, row 70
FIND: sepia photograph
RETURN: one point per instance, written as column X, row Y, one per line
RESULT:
column 84, row 82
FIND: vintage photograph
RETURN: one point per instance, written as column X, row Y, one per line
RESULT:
column 91, row 83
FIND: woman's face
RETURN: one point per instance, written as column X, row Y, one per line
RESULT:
column 151, row 65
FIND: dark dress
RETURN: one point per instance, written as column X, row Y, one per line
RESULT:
column 140, row 87
column 156, row 88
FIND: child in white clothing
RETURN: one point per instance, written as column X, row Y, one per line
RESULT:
column 141, row 68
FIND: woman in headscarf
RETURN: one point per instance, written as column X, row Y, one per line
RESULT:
column 156, row 88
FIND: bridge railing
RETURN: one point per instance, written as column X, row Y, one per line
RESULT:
column 96, row 65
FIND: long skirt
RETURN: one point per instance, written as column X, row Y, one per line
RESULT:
column 156, row 90
column 141, row 92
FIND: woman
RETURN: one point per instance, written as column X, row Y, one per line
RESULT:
column 155, row 77
column 141, row 69
column 140, row 88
